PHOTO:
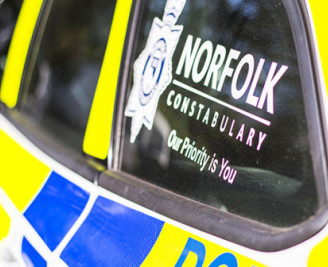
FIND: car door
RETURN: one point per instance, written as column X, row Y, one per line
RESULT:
column 163, row 133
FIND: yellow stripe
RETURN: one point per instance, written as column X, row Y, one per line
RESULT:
column 171, row 243
column 319, row 12
column 21, row 176
column 4, row 223
column 18, row 51
column 318, row 256
column 98, row 132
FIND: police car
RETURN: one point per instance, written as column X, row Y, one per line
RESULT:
column 165, row 133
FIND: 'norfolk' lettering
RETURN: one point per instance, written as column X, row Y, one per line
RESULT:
column 219, row 59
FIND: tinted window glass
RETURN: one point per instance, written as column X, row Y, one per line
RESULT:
column 59, row 85
column 224, row 121
column 9, row 10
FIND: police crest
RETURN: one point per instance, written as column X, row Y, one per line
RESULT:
column 152, row 71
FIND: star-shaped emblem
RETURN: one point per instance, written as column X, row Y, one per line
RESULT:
column 153, row 70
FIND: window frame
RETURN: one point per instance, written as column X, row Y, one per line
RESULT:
column 228, row 226
column 82, row 164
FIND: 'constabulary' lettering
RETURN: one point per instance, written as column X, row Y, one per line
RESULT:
column 192, row 64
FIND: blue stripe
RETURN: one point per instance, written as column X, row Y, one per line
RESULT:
column 31, row 256
column 112, row 235
column 56, row 209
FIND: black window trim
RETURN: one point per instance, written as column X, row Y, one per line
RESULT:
column 320, row 88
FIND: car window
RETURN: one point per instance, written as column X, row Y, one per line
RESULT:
column 9, row 10
column 215, row 108
column 64, row 66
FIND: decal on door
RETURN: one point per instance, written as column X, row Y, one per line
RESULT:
column 153, row 68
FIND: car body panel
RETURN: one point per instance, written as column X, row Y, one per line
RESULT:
column 61, row 220
column 28, row 177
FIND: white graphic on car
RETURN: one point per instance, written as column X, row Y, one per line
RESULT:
column 152, row 71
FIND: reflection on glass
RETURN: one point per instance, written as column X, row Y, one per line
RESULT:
column 9, row 10
column 232, row 121
column 67, row 67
